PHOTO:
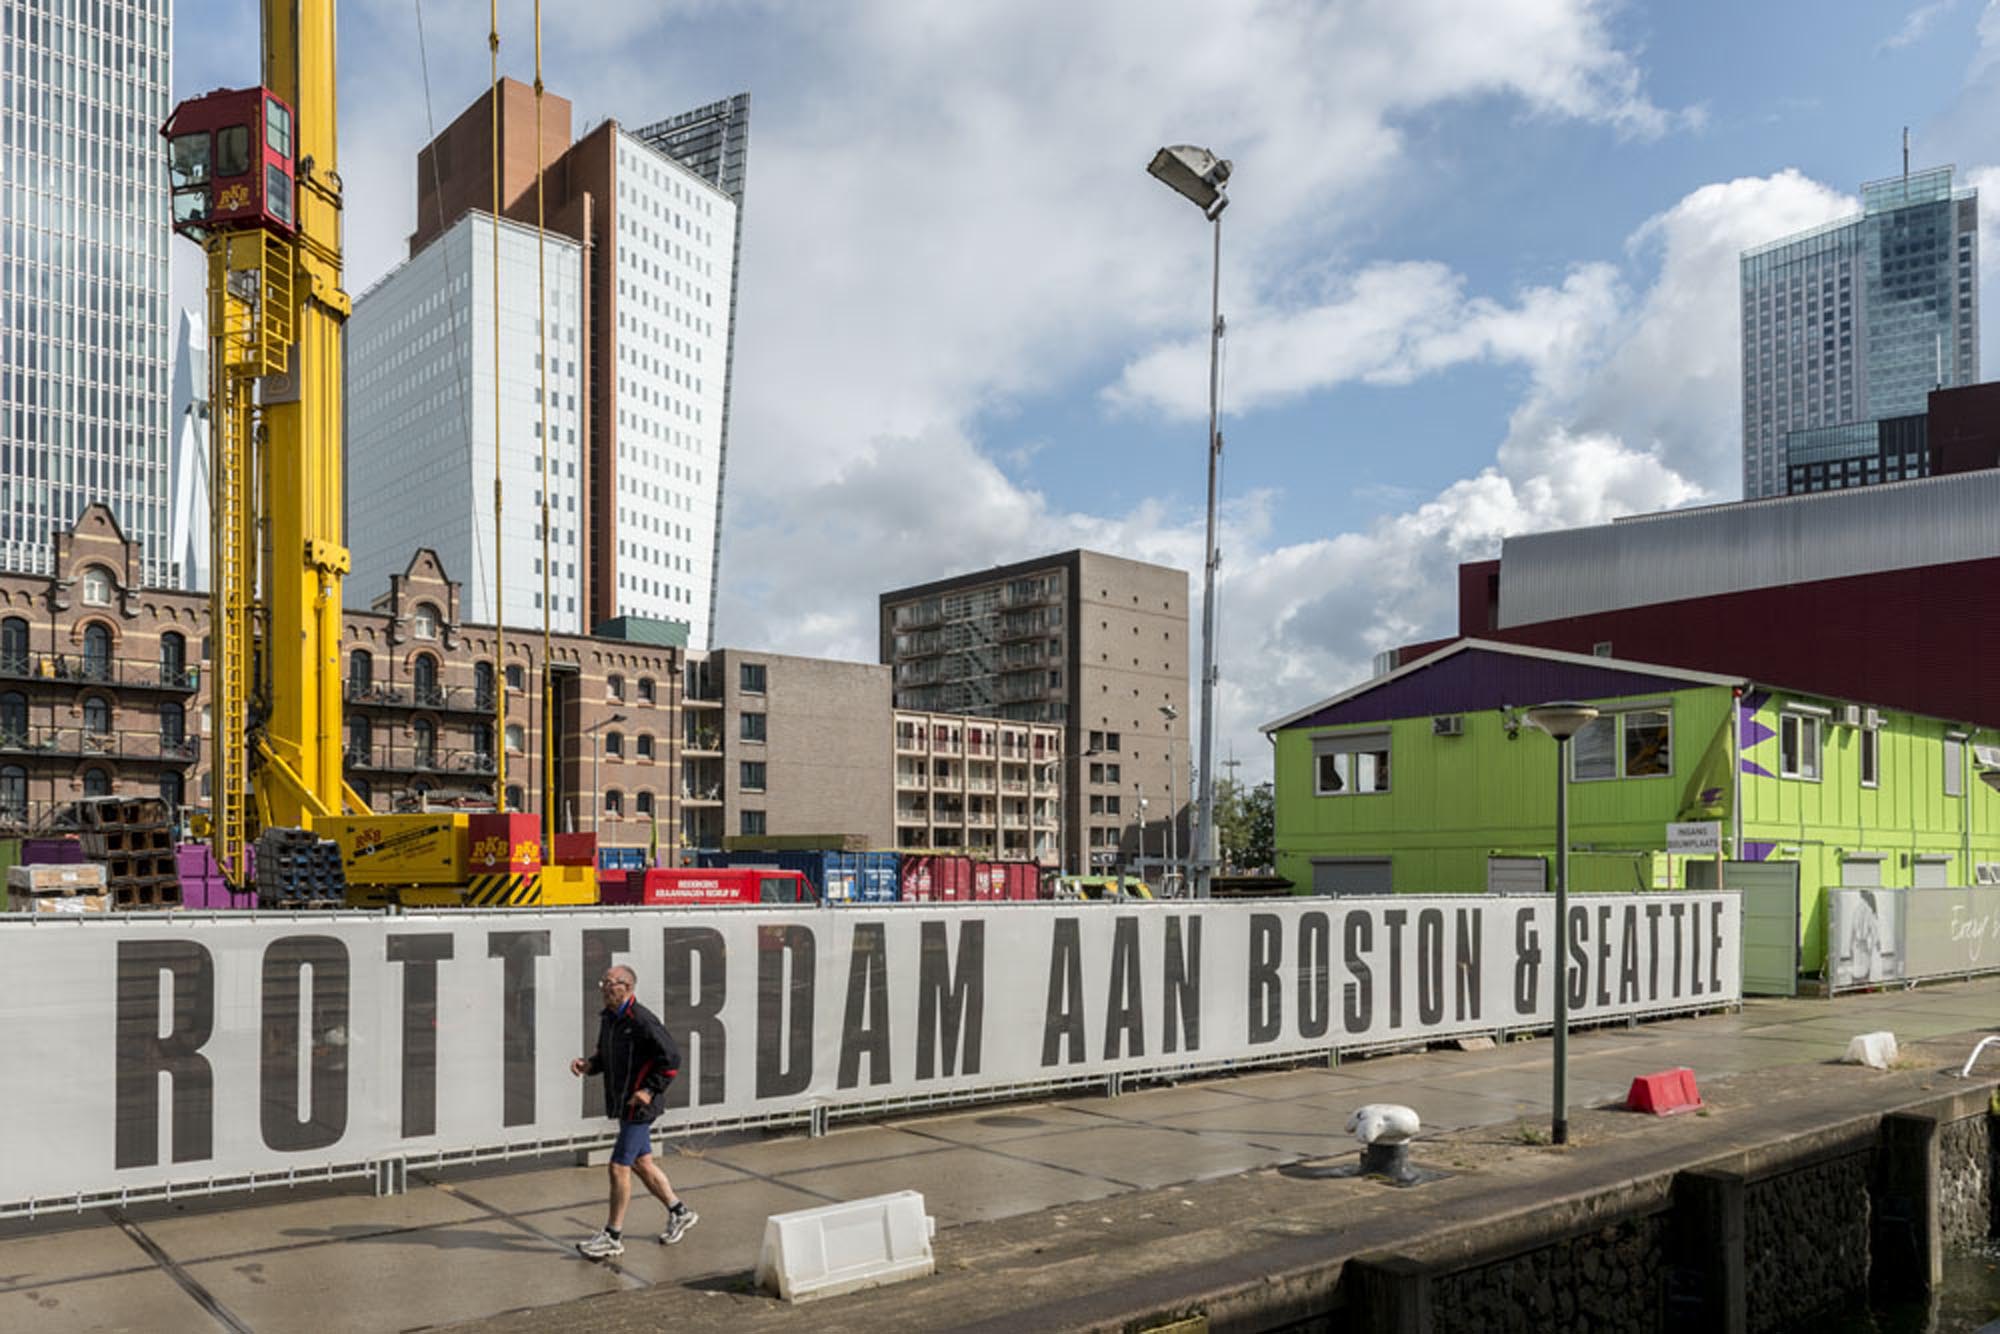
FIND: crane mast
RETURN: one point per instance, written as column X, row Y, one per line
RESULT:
column 255, row 180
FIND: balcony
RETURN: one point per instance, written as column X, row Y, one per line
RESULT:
column 77, row 743
column 702, row 741
column 909, row 782
column 441, row 699
column 80, row 669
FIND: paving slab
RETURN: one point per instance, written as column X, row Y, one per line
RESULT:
column 274, row 1220
column 962, row 1184
column 726, row 1240
column 150, row 1301
column 98, row 1247
column 431, row 1276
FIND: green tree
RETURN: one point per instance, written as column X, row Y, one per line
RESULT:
column 1244, row 824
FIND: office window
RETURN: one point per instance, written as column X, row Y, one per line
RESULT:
column 1352, row 764
column 752, row 727
column 751, row 676
column 645, row 746
column 751, row 822
column 1798, row 747
column 751, row 777
column 1593, row 752
column 96, row 587
column 1871, row 758
column 1649, row 751
column 424, row 623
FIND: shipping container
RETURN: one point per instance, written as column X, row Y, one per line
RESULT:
column 936, row 878
column 1012, row 880
column 621, row 859
column 714, row 886
column 837, row 877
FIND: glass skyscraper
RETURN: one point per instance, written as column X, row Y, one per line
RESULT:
column 1853, row 323
column 83, row 274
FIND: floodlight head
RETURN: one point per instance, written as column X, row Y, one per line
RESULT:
column 1562, row 720
column 1194, row 173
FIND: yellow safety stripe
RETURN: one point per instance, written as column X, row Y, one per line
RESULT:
column 504, row 891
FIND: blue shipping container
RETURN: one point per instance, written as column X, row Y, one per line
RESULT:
column 621, row 859
column 838, row 877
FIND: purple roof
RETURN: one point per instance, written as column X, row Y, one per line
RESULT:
column 1474, row 679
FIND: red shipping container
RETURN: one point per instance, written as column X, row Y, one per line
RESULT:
column 504, row 843
column 574, row 850
column 934, row 878
column 1011, row 880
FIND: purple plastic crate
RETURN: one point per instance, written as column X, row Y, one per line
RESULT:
column 51, row 852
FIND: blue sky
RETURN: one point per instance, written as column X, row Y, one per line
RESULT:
column 1479, row 269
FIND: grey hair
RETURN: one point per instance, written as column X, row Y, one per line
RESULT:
column 631, row 978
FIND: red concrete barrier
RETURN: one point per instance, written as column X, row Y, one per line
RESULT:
column 1664, row 1093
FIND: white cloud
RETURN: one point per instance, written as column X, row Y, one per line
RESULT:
column 1918, row 23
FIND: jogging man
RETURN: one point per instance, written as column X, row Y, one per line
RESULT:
column 638, row 1060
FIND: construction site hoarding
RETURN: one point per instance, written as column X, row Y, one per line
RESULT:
column 172, row 1050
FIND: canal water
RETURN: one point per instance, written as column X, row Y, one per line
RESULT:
column 1968, row 1300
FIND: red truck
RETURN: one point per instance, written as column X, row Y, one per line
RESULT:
column 723, row 886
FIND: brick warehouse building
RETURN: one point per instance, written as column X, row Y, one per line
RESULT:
column 1889, row 593
column 104, row 688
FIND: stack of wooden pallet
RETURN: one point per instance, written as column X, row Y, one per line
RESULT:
column 132, row 838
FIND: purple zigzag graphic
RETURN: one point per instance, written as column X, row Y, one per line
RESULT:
column 1752, row 767
column 1757, row 852
column 1754, row 731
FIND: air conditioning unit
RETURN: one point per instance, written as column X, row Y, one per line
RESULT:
column 1448, row 724
column 1850, row 715
column 1987, row 873
column 1871, row 718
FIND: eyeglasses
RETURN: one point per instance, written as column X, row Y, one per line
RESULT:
column 612, row 983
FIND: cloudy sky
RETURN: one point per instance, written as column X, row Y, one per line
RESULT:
column 1479, row 269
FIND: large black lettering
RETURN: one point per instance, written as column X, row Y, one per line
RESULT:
column 1430, row 965
column 1652, row 951
column 1471, row 948
column 517, row 952
column 601, row 948
column 1603, row 960
column 1125, row 1005
column 1694, row 949
column 1357, row 994
column 1266, row 1014
column 1628, row 956
column 1062, row 1017
column 1315, row 975
column 143, row 1053
column 1579, row 958
column 1394, row 919
column 1715, row 946
column 1527, row 962
column 293, row 1119
column 1182, row 1002
column 864, row 1030
column 786, row 963
column 1677, row 911
column 419, row 953
column 950, row 1000
column 694, row 987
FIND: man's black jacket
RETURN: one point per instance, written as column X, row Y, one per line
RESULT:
column 634, row 1051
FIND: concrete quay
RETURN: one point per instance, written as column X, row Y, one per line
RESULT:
column 1209, row 1199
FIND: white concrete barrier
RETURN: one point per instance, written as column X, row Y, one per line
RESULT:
column 840, row 1248
column 1875, row 1050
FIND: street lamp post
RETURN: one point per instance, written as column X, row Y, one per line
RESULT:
column 1141, row 863
column 1561, row 721
column 1169, row 712
column 1199, row 176
column 597, row 749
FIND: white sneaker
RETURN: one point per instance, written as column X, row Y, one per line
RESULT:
column 600, row 1247
column 678, row 1222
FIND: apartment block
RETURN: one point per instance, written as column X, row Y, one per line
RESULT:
column 1091, row 644
column 980, row 785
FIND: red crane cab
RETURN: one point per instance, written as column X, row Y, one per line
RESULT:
column 229, row 163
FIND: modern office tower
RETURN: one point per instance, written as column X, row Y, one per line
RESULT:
column 420, row 419
column 187, row 422
column 1855, row 322
column 1097, row 644
column 714, row 143
column 83, row 277
column 659, row 244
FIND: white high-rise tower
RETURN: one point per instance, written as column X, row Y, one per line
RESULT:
column 83, row 276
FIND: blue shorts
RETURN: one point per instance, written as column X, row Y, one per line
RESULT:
column 635, row 1141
